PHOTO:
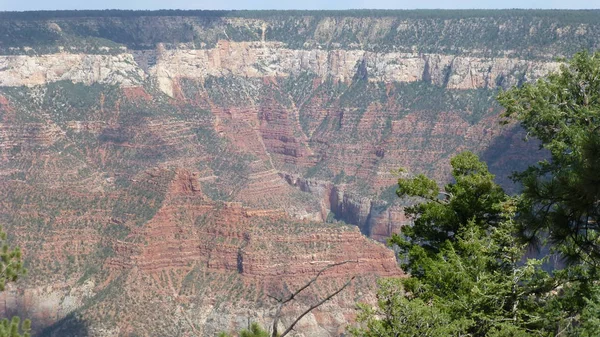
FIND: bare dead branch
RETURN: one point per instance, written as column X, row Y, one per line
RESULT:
column 314, row 279
column 283, row 302
column 275, row 298
column 314, row 306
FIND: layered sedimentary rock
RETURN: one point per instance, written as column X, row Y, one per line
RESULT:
column 260, row 60
column 183, row 250
column 20, row 70
column 377, row 219
column 274, row 60
column 165, row 172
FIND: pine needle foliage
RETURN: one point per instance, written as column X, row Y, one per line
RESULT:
column 560, row 203
column 11, row 267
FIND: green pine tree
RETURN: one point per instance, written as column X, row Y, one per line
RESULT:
column 560, row 203
column 467, row 275
column 474, row 196
column 11, row 267
column 560, row 200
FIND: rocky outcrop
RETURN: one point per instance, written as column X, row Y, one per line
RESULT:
column 375, row 218
column 254, row 59
column 191, row 246
column 175, row 237
column 267, row 60
column 20, row 70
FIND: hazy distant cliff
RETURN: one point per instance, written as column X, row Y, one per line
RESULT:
column 457, row 49
column 519, row 33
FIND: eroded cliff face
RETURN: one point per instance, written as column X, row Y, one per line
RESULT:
column 274, row 60
column 180, row 169
column 377, row 219
column 18, row 70
column 269, row 60
column 211, row 265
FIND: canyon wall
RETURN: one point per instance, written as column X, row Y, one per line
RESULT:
column 377, row 219
column 164, row 172
column 269, row 59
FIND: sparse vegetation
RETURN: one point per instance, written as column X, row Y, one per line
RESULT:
column 468, row 270
column 447, row 31
column 253, row 331
column 88, row 170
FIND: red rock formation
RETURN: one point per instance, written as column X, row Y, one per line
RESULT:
column 262, row 249
column 186, row 227
column 165, row 199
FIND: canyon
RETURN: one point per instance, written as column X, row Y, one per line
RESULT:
column 166, row 172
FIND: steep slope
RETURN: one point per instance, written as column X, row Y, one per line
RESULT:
column 199, row 266
column 165, row 171
column 107, row 188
